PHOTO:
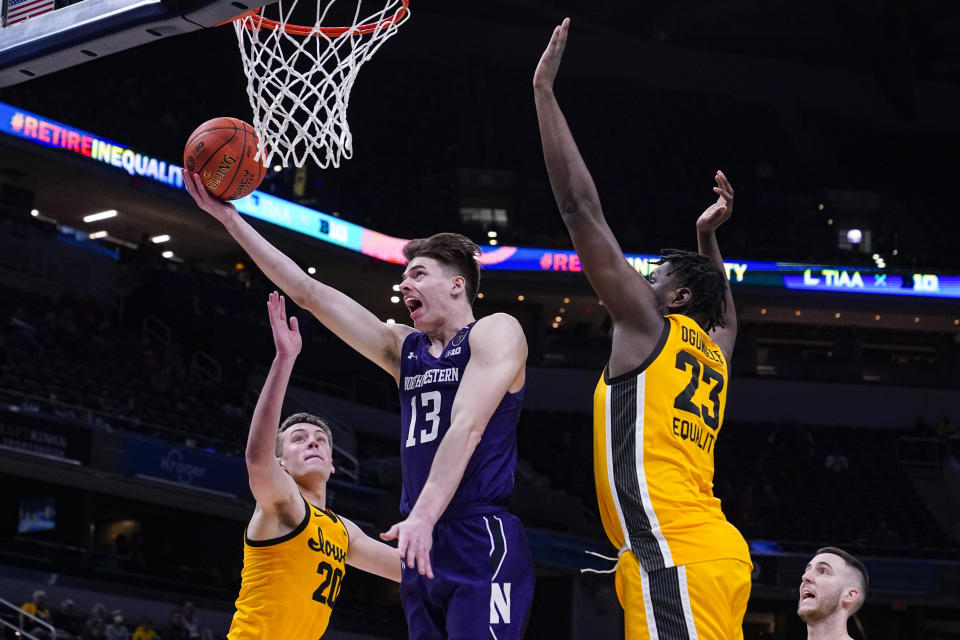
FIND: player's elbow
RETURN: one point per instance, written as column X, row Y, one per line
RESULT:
column 475, row 431
column 302, row 295
column 577, row 210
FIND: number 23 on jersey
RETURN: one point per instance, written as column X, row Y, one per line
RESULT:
column 688, row 427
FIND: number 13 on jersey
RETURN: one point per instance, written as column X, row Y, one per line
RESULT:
column 429, row 408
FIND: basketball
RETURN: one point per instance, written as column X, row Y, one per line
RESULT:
column 222, row 151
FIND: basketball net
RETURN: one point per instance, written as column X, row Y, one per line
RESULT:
column 299, row 78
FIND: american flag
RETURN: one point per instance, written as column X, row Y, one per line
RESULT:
column 20, row 10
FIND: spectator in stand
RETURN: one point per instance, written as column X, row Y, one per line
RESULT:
column 20, row 329
column 175, row 629
column 190, row 620
column 837, row 463
column 67, row 621
column 144, row 630
column 946, row 428
column 95, row 626
column 884, row 535
column 37, row 607
column 146, row 354
column 116, row 630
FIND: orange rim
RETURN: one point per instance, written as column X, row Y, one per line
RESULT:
column 331, row 32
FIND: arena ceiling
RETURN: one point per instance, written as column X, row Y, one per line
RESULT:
column 919, row 37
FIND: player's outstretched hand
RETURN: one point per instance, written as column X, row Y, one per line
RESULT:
column 219, row 209
column 286, row 338
column 549, row 63
column 717, row 213
column 414, row 538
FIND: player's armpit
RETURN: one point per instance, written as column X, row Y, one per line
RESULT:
column 627, row 296
column 275, row 520
column 371, row 555
column 272, row 487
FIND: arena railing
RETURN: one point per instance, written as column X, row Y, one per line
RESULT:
column 130, row 425
column 20, row 630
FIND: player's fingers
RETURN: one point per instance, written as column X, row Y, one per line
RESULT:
column 190, row 185
column 403, row 542
column 726, row 183
column 199, row 192
column 205, row 195
column 723, row 193
column 293, row 324
column 389, row 534
column 562, row 34
column 412, row 558
column 274, row 308
column 426, row 563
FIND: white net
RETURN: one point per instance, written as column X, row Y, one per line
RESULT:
column 299, row 78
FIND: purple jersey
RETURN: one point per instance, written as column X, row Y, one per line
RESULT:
column 428, row 386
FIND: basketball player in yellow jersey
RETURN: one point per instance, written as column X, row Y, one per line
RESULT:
column 295, row 549
column 684, row 571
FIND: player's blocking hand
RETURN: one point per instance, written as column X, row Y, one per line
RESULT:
column 549, row 63
column 717, row 213
column 219, row 209
column 414, row 538
column 286, row 338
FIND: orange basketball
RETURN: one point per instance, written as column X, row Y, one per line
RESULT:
column 221, row 151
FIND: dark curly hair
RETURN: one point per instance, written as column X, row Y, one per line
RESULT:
column 707, row 284
column 456, row 252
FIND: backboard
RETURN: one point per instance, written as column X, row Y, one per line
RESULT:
column 91, row 29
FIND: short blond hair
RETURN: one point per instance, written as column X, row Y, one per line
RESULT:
column 302, row 418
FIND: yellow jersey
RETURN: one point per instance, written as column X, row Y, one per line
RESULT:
column 290, row 584
column 654, row 433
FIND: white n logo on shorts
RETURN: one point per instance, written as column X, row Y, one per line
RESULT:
column 499, row 603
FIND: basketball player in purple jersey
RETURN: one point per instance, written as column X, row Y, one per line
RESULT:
column 469, row 574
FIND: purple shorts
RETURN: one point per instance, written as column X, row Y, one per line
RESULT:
column 482, row 587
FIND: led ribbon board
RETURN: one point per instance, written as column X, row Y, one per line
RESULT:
column 49, row 133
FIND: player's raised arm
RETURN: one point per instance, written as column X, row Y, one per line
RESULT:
column 371, row 555
column 725, row 334
column 627, row 296
column 498, row 354
column 272, row 487
column 350, row 321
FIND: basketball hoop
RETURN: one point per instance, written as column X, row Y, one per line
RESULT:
column 299, row 78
